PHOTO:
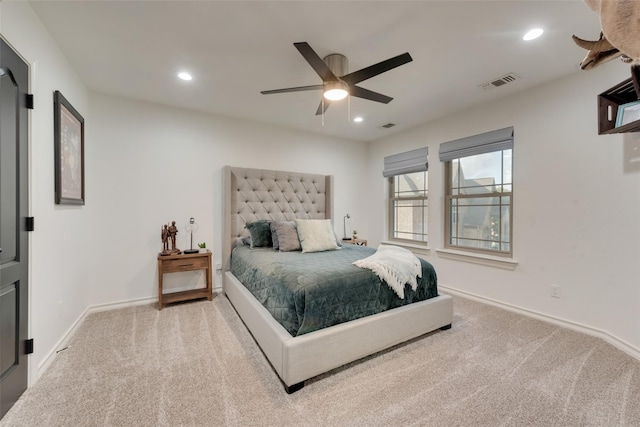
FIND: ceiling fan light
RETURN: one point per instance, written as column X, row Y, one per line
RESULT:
column 335, row 94
column 335, row 91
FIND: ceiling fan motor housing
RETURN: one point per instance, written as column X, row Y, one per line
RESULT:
column 337, row 63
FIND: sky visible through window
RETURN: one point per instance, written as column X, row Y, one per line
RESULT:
column 488, row 166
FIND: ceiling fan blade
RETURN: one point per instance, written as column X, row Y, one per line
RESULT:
column 363, row 93
column 375, row 69
column 316, row 62
column 292, row 89
column 326, row 105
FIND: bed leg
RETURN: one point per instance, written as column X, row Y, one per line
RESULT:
column 444, row 328
column 293, row 388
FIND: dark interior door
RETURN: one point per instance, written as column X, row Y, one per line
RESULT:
column 14, row 206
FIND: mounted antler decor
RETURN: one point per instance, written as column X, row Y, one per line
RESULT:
column 598, row 52
column 620, row 36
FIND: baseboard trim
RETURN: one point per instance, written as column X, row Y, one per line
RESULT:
column 598, row 333
column 120, row 304
column 63, row 342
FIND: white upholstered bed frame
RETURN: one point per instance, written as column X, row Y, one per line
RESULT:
column 253, row 194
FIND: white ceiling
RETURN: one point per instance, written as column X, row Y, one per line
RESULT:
column 235, row 49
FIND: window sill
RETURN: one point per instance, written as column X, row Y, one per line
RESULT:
column 492, row 261
column 413, row 247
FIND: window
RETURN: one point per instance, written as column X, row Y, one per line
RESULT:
column 408, row 206
column 479, row 192
column 408, row 194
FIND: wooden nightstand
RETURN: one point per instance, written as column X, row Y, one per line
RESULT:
column 359, row 242
column 184, row 262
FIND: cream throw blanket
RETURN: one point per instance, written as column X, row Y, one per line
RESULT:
column 394, row 265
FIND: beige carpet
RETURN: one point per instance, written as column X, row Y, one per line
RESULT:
column 196, row 364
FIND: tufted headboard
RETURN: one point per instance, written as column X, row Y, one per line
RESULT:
column 254, row 194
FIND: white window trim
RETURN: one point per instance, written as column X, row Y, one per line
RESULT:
column 478, row 258
column 447, row 218
column 390, row 214
column 413, row 247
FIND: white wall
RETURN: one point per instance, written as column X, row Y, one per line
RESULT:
column 149, row 164
column 59, row 261
column 145, row 165
column 576, row 204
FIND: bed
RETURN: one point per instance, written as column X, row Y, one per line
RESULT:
column 255, row 194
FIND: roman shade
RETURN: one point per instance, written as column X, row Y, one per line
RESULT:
column 497, row 140
column 407, row 162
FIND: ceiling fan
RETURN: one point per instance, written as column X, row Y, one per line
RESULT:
column 336, row 83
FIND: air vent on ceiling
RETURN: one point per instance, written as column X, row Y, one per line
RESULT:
column 388, row 125
column 501, row 81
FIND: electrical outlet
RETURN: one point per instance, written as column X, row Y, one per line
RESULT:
column 218, row 266
column 555, row 291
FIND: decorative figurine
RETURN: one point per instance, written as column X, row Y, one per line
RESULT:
column 164, row 233
column 168, row 234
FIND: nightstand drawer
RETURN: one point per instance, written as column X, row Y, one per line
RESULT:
column 187, row 264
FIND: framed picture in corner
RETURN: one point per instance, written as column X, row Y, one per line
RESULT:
column 627, row 113
column 68, row 138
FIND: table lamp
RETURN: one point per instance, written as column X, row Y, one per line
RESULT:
column 191, row 227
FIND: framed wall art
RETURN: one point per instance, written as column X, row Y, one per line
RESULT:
column 627, row 113
column 68, row 138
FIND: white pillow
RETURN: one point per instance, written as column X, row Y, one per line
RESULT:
column 316, row 235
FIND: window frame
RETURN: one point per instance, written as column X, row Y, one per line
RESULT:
column 448, row 196
column 391, row 209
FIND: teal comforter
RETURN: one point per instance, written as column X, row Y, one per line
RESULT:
column 310, row 291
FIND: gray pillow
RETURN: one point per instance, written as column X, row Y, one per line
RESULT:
column 274, row 235
column 287, row 235
column 260, row 232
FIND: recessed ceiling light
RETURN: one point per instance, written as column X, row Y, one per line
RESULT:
column 533, row 34
column 185, row 76
column 358, row 119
